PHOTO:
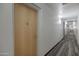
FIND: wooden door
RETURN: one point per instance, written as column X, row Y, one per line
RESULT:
column 25, row 19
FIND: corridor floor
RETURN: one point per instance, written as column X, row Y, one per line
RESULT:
column 67, row 47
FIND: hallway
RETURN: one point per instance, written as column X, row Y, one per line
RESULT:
column 55, row 30
column 67, row 47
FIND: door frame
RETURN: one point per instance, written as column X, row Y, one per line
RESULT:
column 34, row 6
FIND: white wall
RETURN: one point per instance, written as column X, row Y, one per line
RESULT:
column 6, row 34
column 78, row 30
column 49, row 31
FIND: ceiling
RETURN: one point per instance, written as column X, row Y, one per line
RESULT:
column 71, row 9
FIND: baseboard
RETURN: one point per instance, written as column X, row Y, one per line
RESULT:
column 53, row 47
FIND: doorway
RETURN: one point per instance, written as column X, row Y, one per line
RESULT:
column 25, row 30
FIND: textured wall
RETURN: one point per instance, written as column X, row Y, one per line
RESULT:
column 49, row 30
